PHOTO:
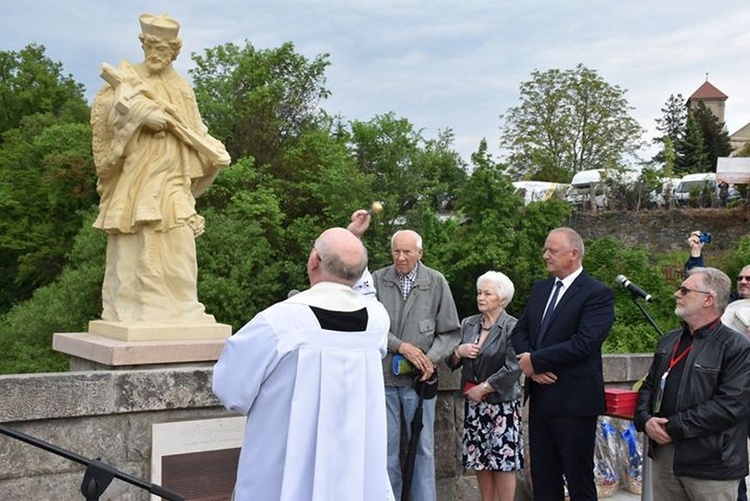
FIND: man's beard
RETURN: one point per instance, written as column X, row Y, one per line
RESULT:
column 157, row 65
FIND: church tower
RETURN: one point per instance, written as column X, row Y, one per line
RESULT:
column 712, row 97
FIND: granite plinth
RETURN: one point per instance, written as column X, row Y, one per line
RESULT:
column 111, row 352
column 154, row 331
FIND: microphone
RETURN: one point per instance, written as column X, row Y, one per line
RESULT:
column 291, row 293
column 634, row 289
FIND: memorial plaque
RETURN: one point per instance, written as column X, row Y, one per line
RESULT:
column 201, row 476
column 197, row 459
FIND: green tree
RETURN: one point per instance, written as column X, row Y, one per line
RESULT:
column 691, row 151
column 715, row 137
column 407, row 169
column 604, row 259
column 265, row 104
column 241, row 257
column 46, row 179
column 568, row 121
column 259, row 101
column 670, row 158
column 496, row 232
column 31, row 83
column 45, row 170
column 65, row 305
column 321, row 187
column 671, row 125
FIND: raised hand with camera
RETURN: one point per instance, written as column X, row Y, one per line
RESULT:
column 696, row 240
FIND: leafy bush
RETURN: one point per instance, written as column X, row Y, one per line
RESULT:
column 632, row 333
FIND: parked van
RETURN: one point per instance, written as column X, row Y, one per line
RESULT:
column 581, row 187
column 695, row 184
column 586, row 183
column 539, row 191
column 664, row 195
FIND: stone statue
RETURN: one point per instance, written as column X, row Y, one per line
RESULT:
column 153, row 156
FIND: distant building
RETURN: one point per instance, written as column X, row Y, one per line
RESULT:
column 712, row 97
column 715, row 101
column 740, row 138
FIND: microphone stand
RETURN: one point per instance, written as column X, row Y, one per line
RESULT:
column 98, row 475
column 634, row 297
column 647, row 471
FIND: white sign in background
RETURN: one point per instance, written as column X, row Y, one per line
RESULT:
column 733, row 170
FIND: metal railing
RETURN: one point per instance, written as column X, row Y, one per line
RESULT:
column 98, row 475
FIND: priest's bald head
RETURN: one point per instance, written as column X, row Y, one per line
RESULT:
column 337, row 256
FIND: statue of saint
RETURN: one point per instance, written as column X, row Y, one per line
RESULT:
column 153, row 157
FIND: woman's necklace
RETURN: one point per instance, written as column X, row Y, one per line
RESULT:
column 487, row 325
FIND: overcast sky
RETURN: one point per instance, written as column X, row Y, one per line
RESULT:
column 438, row 63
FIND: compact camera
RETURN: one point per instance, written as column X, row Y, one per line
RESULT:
column 705, row 238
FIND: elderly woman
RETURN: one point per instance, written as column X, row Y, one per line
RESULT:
column 492, row 437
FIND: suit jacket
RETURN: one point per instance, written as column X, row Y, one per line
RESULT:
column 571, row 348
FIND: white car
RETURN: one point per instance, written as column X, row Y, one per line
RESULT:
column 588, row 182
column 694, row 183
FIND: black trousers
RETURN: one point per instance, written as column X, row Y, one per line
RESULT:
column 742, row 492
column 562, row 446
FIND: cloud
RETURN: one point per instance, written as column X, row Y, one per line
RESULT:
column 440, row 64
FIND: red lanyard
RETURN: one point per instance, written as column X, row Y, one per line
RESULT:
column 663, row 380
column 673, row 361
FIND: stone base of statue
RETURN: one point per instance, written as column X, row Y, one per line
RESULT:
column 153, row 331
column 120, row 345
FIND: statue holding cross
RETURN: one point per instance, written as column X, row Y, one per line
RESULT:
column 153, row 157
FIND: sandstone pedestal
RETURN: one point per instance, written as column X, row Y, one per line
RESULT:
column 114, row 345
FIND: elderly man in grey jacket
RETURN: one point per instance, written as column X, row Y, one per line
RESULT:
column 425, row 329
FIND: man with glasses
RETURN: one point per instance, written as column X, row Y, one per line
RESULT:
column 737, row 313
column 694, row 402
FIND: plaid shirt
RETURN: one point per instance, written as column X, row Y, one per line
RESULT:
column 407, row 281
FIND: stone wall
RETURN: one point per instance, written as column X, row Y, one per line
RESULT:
column 665, row 230
column 109, row 414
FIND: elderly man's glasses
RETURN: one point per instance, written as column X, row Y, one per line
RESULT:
column 684, row 290
column 746, row 278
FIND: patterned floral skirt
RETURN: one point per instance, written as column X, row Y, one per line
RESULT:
column 493, row 437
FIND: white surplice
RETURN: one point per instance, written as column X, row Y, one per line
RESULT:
column 312, row 389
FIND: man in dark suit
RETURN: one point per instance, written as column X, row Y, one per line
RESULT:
column 558, row 340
